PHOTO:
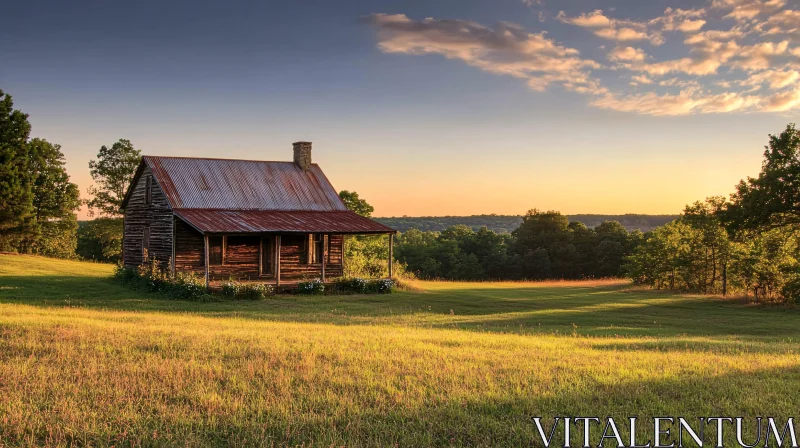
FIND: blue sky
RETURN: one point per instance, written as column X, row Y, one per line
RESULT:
column 427, row 107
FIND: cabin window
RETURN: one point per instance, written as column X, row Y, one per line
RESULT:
column 145, row 243
column 317, row 248
column 148, row 190
column 216, row 246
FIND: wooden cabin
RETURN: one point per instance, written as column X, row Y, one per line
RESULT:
column 276, row 222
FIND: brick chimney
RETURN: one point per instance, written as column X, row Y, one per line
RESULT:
column 302, row 154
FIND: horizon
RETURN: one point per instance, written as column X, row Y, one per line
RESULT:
column 446, row 109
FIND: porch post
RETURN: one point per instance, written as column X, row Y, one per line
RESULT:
column 174, row 225
column 277, row 260
column 391, row 253
column 205, row 243
column 324, row 254
column 260, row 255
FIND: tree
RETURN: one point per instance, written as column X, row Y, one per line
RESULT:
column 112, row 173
column 16, row 202
column 55, row 200
column 356, row 204
column 772, row 200
column 100, row 240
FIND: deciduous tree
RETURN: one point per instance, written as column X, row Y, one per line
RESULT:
column 112, row 173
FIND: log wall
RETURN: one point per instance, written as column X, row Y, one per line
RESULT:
column 241, row 256
column 156, row 217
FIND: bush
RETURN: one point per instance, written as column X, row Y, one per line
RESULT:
column 257, row 291
column 311, row 287
column 791, row 291
column 230, row 288
column 188, row 287
column 155, row 279
column 358, row 285
column 247, row 291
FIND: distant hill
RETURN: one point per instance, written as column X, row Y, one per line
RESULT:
column 507, row 223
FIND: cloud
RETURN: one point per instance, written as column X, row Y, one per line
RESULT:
column 760, row 56
column 705, row 58
column 774, row 79
column 783, row 101
column 750, row 65
column 786, row 22
column 506, row 49
column 684, row 103
column 627, row 54
column 612, row 29
column 745, row 10
column 685, row 20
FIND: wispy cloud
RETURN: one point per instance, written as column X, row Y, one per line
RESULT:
column 749, row 63
column 506, row 49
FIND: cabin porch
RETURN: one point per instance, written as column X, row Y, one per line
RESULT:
column 281, row 259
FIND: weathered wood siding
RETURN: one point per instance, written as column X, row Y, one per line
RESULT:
column 139, row 216
column 189, row 249
column 241, row 256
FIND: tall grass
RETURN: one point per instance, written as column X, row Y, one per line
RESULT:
column 84, row 361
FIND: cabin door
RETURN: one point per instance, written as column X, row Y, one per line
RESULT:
column 267, row 256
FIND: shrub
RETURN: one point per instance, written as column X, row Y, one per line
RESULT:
column 247, row 291
column 311, row 287
column 188, row 287
column 358, row 285
column 256, row 291
column 155, row 279
column 791, row 291
column 230, row 288
column 385, row 285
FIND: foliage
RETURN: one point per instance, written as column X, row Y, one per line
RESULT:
column 695, row 253
column 507, row 223
column 153, row 278
column 247, row 291
column 356, row 204
column 58, row 238
column 112, row 172
column 16, row 178
column 772, row 200
column 100, row 240
column 55, row 201
column 314, row 286
column 358, row 285
column 546, row 245
column 367, row 256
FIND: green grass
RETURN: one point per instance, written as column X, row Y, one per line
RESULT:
column 85, row 361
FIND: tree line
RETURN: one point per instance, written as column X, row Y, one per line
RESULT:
column 38, row 203
column 748, row 243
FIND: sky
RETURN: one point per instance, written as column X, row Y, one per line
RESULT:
column 425, row 108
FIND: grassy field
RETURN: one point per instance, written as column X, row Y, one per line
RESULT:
column 85, row 361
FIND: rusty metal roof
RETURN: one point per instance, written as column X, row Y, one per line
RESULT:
column 225, row 184
column 257, row 221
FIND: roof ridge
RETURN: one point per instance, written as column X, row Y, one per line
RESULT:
column 179, row 209
column 222, row 159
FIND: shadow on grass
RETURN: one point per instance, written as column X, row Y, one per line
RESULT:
column 571, row 309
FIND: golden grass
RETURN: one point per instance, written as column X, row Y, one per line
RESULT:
column 134, row 370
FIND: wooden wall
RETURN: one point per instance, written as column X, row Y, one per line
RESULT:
column 157, row 216
column 241, row 256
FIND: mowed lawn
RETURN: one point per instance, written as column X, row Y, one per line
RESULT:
column 85, row 361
